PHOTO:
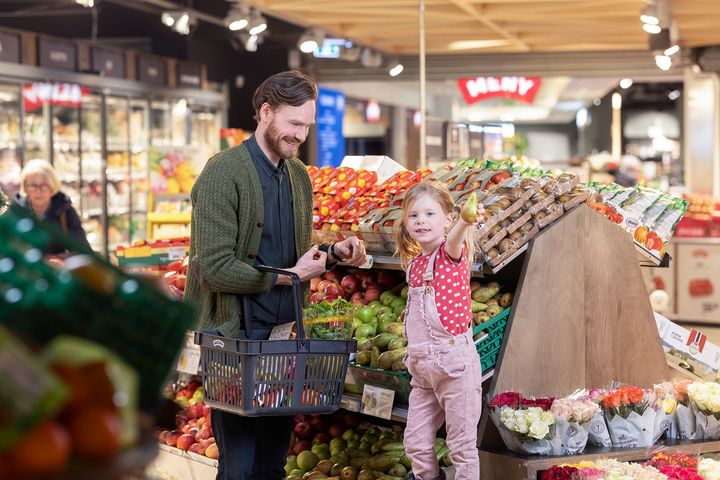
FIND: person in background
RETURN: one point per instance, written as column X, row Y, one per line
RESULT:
column 40, row 193
column 252, row 205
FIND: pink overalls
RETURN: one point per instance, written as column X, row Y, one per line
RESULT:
column 446, row 386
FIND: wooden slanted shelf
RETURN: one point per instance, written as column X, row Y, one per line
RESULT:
column 581, row 318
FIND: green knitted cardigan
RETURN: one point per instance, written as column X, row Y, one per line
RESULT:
column 227, row 223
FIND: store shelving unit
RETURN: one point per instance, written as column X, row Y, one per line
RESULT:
column 581, row 317
column 100, row 146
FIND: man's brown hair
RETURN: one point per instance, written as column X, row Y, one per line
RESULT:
column 286, row 88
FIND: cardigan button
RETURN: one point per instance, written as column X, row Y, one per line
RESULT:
column 251, row 255
column 260, row 224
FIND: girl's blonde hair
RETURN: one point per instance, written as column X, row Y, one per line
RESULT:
column 42, row 168
column 406, row 247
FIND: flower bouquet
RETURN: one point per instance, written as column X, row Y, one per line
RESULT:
column 526, row 425
column 684, row 415
column 662, row 399
column 598, row 434
column 615, row 470
column 562, row 472
column 572, row 422
column 629, row 417
column 677, row 459
column 709, row 469
column 673, row 472
column 705, row 404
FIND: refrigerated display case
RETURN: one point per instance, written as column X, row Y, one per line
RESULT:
column 204, row 128
column 91, row 168
column 118, row 171
column 97, row 132
column 10, row 139
column 140, row 183
column 160, row 124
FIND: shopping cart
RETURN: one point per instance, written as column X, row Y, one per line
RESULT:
column 273, row 377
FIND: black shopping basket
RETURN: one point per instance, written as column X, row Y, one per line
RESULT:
column 274, row 377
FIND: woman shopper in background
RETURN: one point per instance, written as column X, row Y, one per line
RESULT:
column 42, row 196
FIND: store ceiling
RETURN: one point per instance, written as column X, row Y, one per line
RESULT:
column 477, row 26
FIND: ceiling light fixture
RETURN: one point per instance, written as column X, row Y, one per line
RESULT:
column 179, row 21
column 652, row 29
column 86, row 3
column 310, row 41
column 370, row 59
column 674, row 95
column 396, row 68
column 649, row 16
column 672, row 50
column 257, row 24
column 663, row 62
column 626, row 83
column 237, row 17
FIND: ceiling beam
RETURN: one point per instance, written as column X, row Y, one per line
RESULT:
column 466, row 7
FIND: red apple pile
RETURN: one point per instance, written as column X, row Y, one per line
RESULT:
column 176, row 277
column 357, row 286
column 193, row 426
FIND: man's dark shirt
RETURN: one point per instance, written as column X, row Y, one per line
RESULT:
column 277, row 245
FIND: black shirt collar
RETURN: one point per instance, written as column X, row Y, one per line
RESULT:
column 262, row 160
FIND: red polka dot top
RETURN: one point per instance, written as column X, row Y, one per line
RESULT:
column 451, row 282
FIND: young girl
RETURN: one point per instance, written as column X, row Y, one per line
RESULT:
column 443, row 362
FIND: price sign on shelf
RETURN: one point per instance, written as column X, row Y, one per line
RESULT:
column 176, row 253
column 189, row 359
column 377, row 401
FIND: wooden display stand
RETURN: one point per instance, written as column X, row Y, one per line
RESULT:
column 581, row 318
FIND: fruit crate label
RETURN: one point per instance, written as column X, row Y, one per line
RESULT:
column 377, row 401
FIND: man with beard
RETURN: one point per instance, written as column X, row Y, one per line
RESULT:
column 252, row 205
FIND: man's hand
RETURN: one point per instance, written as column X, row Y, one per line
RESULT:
column 351, row 250
column 310, row 265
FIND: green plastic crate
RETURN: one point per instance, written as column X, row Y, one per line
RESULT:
column 489, row 345
column 127, row 314
column 399, row 382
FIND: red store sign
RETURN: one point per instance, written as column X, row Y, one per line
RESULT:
column 35, row 95
column 523, row 89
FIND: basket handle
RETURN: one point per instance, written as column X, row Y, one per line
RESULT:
column 297, row 297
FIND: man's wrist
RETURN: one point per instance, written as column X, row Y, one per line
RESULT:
column 334, row 254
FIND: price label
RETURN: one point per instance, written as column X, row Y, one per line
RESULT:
column 189, row 359
column 176, row 253
column 349, row 405
column 377, row 401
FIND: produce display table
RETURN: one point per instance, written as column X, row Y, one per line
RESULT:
column 499, row 464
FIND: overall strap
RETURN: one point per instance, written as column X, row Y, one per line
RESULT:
column 430, row 269
column 407, row 272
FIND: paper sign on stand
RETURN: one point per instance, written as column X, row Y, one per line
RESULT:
column 385, row 166
column 189, row 358
column 689, row 346
column 377, row 401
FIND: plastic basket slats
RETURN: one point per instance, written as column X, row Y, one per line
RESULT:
column 278, row 383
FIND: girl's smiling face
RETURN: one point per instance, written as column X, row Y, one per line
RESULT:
column 426, row 222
